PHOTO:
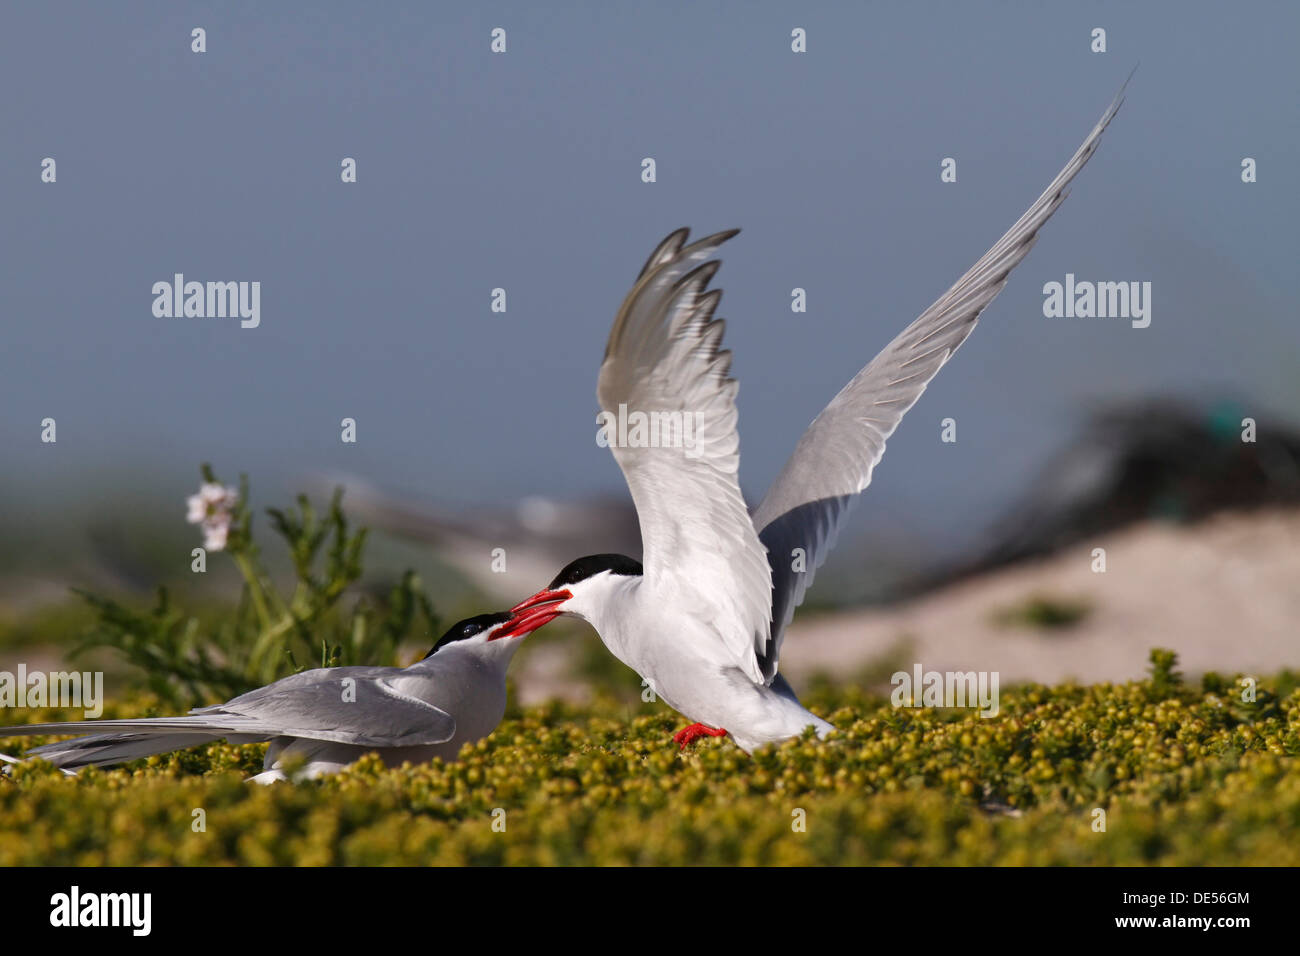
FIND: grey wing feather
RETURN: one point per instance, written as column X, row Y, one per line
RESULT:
column 104, row 749
column 835, row 457
column 315, row 704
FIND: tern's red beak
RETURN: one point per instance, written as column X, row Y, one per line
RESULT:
column 542, row 608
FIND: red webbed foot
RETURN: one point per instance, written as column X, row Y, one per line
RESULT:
column 687, row 735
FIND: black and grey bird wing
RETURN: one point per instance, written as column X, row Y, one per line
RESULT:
column 834, row 459
column 350, row 705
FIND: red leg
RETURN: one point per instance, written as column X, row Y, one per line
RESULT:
column 684, row 737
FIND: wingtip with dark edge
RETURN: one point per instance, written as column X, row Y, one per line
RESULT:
column 674, row 241
column 1118, row 101
column 711, row 242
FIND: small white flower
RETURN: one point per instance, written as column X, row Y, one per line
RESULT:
column 214, row 535
column 212, row 508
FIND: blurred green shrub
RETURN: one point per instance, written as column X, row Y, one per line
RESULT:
column 1044, row 612
column 184, row 663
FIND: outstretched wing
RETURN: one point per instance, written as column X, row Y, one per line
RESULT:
column 665, row 374
column 835, row 457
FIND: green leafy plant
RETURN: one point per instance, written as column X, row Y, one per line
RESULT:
column 1165, row 677
column 183, row 662
column 1044, row 612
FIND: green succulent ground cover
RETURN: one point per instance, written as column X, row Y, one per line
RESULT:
column 1185, row 773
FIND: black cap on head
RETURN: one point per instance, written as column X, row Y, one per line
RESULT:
column 470, row 627
column 593, row 564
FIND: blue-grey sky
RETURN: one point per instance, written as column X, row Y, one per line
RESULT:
column 522, row 170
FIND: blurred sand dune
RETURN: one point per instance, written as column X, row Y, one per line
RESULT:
column 1223, row 593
